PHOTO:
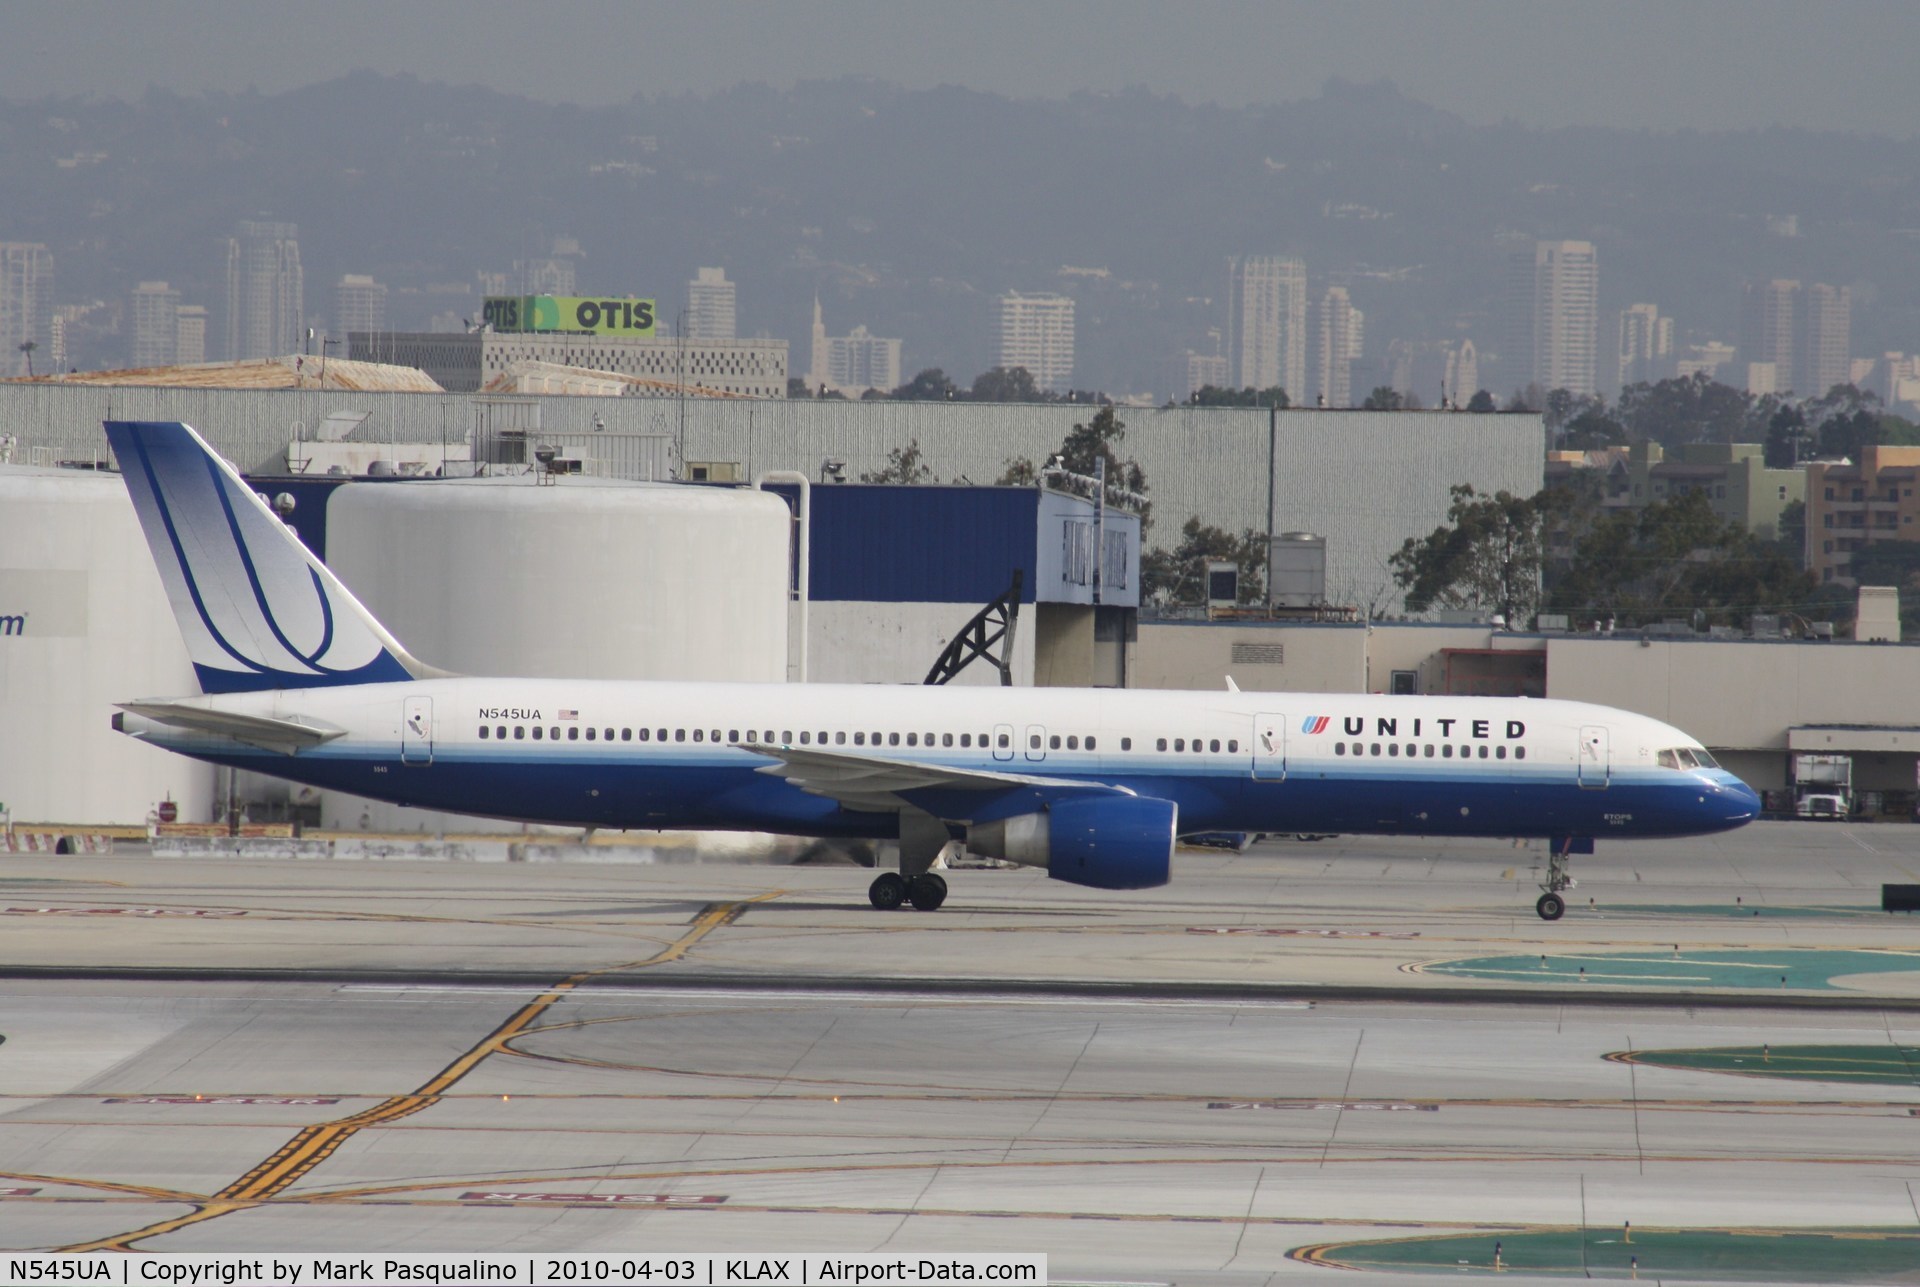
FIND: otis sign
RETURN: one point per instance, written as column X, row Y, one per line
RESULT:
column 569, row 313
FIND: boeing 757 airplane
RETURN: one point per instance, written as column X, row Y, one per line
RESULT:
column 300, row 681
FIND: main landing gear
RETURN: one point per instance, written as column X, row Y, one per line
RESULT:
column 1553, row 904
column 890, row 889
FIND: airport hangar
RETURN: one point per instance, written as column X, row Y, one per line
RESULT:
column 602, row 575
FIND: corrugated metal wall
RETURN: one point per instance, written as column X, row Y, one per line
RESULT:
column 1364, row 480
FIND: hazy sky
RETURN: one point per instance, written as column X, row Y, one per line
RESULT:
column 1709, row 64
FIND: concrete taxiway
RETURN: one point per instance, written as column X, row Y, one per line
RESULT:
column 1360, row 1052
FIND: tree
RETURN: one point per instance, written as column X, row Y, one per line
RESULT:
column 797, row 387
column 1790, row 533
column 904, row 465
column 1565, row 406
column 1682, row 410
column 1383, row 398
column 931, row 385
column 1675, row 558
column 1481, row 401
column 1179, row 575
column 1085, row 445
column 1591, row 430
column 1006, row 384
column 1487, row 557
column 1787, row 437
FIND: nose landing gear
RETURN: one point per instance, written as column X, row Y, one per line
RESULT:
column 1553, row 904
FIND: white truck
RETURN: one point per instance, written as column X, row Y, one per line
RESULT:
column 1823, row 787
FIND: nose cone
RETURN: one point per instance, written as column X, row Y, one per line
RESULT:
column 1733, row 800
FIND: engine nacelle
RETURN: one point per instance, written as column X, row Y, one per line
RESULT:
column 1107, row 842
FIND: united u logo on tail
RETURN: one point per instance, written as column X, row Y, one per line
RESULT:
column 256, row 608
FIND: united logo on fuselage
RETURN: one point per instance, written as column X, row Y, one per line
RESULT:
column 1355, row 726
column 1314, row 724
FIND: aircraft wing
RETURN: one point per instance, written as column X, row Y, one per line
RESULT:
column 873, row 784
column 289, row 735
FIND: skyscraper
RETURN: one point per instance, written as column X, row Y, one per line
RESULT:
column 1339, row 330
column 1552, row 315
column 266, row 294
column 1645, row 347
column 853, row 363
column 1767, row 325
column 1825, row 339
column 1036, row 332
column 1267, row 318
column 359, row 304
column 156, row 324
column 26, row 305
column 710, row 306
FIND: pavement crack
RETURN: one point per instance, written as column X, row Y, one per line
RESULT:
column 1346, row 1090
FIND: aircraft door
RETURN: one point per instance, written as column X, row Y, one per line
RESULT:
column 1270, row 747
column 1003, row 741
column 1596, row 758
column 416, row 731
column 1036, row 742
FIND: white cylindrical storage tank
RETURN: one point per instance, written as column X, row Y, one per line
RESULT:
column 84, row 623
column 586, row 579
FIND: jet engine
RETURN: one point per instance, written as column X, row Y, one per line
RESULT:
column 1107, row 842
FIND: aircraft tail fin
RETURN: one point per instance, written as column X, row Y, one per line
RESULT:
column 256, row 608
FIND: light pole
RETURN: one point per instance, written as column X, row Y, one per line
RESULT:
column 27, row 347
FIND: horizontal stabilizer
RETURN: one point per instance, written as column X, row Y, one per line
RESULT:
column 288, row 735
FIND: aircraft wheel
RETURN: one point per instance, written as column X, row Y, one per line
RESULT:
column 887, row 891
column 927, row 892
column 1551, row 907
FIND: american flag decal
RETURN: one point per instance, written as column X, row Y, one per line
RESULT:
column 566, row 714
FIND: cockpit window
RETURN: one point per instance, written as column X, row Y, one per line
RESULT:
column 1668, row 760
column 1706, row 761
column 1686, row 757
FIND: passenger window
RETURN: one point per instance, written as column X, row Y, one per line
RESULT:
column 679, row 734
column 1179, row 743
column 786, row 737
column 1199, row 747
column 1214, row 745
column 1499, row 752
column 1428, row 751
column 893, row 739
column 1054, row 741
column 1033, row 742
column 1160, row 744
column 1339, row 748
column 1005, row 740
column 805, row 737
column 1376, row 749
column 1446, row 751
column 1483, row 752
column 1393, row 749
column 733, row 735
column 1412, row 750
column 913, row 739
column 573, row 734
column 646, row 734
column 1126, row 744
column 946, row 739
column 697, row 735
column 966, row 740
column 770, row 739
column 500, row 733
column 1519, row 752
column 626, row 735
column 519, row 732
column 1089, row 743
column 609, row 735
column 537, row 732
column 661, row 736
column 483, row 732
column 859, row 739
column 839, row 739
column 1233, row 746
column 927, row 740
